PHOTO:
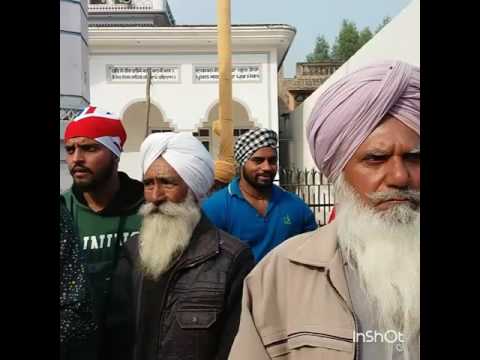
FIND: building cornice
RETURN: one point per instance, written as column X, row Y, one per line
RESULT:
column 190, row 38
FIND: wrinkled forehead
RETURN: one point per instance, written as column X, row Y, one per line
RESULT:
column 391, row 134
column 160, row 168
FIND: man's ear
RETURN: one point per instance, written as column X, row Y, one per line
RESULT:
column 116, row 159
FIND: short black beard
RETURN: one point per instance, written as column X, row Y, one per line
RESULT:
column 254, row 183
column 98, row 180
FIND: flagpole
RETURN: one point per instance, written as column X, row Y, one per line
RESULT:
column 225, row 82
column 149, row 77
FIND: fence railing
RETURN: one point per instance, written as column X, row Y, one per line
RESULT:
column 312, row 187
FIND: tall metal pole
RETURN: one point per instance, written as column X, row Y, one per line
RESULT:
column 149, row 79
column 225, row 82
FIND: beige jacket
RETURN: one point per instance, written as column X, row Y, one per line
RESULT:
column 296, row 303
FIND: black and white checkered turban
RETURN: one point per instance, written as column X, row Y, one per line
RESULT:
column 248, row 143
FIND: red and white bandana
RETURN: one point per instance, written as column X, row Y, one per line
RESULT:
column 101, row 126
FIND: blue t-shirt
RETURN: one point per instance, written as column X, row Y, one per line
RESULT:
column 287, row 215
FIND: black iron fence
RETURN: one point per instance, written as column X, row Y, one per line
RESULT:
column 311, row 186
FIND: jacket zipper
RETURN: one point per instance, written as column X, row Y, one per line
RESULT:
column 138, row 313
column 356, row 355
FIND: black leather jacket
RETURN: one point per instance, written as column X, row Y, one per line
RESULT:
column 200, row 306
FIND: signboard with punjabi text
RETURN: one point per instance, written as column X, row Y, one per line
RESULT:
column 138, row 73
column 240, row 73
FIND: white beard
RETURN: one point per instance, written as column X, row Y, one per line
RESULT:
column 384, row 248
column 165, row 233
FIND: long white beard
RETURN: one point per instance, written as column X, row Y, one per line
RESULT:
column 165, row 233
column 384, row 248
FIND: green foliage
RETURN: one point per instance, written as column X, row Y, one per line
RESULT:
column 364, row 36
column 385, row 21
column 348, row 41
column 321, row 51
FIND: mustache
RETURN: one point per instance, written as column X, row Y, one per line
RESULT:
column 381, row 196
column 171, row 209
column 149, row 209
column 266, row 173
column 79, row 168
column 167, row 209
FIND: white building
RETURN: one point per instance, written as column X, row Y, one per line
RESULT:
column 183, row 61
column 74, row 76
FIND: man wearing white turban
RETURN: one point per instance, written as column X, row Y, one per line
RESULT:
column 350, row 290
column 177, row 286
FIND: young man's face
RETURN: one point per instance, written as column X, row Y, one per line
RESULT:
column 90, row 163
column 260, row 170
column 389, row 159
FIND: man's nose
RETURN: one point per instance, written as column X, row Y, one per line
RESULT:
column 398, row 175
column 78, row 156
column 158, row 194
column 266, row 166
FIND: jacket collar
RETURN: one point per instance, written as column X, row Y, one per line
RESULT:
column 320, row 249
column 204, row 242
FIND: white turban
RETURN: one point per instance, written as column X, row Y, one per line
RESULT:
column 185, row 154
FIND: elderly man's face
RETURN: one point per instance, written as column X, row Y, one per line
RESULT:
column 162, row 183
column 389, row 159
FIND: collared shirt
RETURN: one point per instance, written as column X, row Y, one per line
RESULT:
column 286, row 216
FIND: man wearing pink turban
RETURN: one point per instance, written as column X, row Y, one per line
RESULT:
column 350, row 290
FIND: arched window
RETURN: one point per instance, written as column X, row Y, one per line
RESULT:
column 241, row 124
column 135, row 123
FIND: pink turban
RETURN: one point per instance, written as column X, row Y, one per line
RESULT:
column 350, row 109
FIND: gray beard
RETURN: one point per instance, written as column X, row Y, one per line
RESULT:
column 165, row 233
column 384, row 249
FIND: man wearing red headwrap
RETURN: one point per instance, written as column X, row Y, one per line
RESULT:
column 103, row 202
column 350, row 290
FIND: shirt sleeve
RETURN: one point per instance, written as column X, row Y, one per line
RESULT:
column 310, row 223
column 215, row 207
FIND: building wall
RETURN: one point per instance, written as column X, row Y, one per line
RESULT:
column 399, row 40
column 74, row 75
column 65, row 178
column 74, row 86
column 186, row 104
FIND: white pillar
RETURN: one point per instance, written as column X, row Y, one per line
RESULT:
column 159, row 5
column 74, row 83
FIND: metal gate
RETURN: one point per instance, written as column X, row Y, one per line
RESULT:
column 312, row 187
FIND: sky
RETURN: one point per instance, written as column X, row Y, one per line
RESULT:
column 311, row 18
